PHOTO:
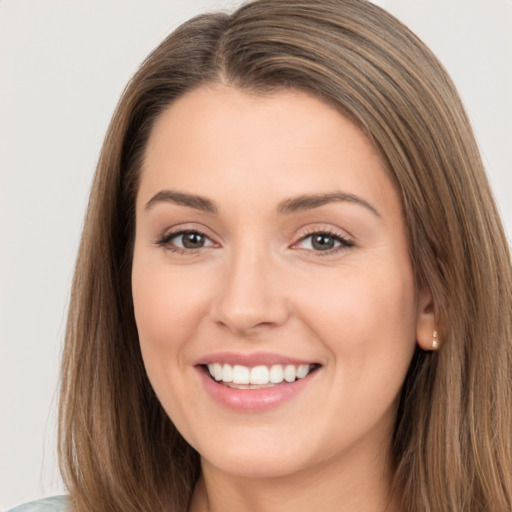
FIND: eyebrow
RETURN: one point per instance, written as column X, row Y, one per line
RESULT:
column 293, row 205
column 182, row 199
column 309, row 202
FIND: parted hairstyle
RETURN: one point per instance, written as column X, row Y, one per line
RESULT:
column 451, row 446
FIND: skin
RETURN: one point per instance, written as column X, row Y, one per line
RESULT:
column 259, row 285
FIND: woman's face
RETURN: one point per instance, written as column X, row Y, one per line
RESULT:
column 271, row 251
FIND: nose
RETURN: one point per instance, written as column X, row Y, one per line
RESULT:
column 251, row 295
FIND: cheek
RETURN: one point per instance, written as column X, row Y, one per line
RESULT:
column 367, row 321
column 166, row 313
column 350, row 302
column 166, row 300
column 168, row 307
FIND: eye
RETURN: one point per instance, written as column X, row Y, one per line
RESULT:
column 185, row 240
column 323, row 242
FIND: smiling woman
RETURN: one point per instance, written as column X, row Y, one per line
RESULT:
column 293, row 290
column 272, row 300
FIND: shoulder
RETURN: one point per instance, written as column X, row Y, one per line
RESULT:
column 54, row 504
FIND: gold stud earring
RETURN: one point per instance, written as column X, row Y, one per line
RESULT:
column 434, row 341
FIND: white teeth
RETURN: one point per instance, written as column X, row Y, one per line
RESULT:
column 217, row 371
column 241, row 374
column 227, row 373
column 258, row 375
column 302, row 371
column 276, row 374
column 289, row 373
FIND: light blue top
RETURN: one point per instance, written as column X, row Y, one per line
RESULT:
column 55, row 504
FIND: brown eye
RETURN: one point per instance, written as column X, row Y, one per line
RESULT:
column 185, row 241
column 322, row 242
column 192, row 240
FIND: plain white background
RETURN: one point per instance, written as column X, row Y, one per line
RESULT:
column 63, row 66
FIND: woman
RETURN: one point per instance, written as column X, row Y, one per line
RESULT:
column 293, row 288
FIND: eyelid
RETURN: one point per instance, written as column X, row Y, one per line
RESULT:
column 345, row 242
column 164, row 240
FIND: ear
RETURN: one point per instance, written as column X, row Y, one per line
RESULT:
column 426, row 329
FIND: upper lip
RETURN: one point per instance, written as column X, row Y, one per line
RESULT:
column 250, row 360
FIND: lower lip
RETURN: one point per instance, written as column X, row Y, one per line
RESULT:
column 253, row 400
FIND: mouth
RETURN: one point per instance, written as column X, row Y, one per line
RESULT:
column 257, row 377
column 256, row 382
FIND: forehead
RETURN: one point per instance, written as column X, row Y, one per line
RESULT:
column 219, row 140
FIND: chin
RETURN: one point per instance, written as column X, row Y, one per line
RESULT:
column 263, row 454
column 255, row 465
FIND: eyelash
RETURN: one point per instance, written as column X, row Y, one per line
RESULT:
column 344, row 244
column 165, row 240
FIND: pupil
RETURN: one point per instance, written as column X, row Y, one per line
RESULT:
column 193, row 240
column 323, row 242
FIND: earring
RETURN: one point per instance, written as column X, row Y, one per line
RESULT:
column 434, row 341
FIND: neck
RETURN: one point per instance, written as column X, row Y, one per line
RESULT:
column 351, row 485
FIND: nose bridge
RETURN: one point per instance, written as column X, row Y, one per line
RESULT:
column 250, row 295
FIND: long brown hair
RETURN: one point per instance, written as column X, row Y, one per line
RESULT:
column 452, row 442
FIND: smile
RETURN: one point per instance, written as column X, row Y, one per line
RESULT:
column 254, row 382
column 245, row 377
